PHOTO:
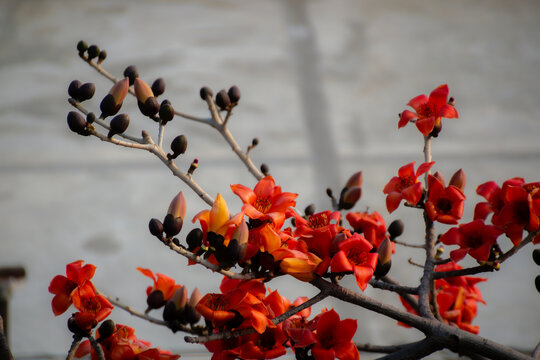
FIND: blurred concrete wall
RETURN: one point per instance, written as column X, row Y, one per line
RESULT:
column 322, row 84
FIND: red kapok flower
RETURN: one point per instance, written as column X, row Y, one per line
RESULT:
column 265, row 201
column 444, row 204
column 371, row 225
column 318, row 231
column 354, row 256
column 62, row 287
column 334, row 338
column 474, row 238
column 405, row 185
column 162, row 283
column 429, row 111
column 93, row 307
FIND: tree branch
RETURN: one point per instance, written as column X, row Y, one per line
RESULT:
column 73, row 348
column 412, row 351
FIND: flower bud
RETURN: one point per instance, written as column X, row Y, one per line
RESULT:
column 156, row 228
column 234, row 94
column 82, row 46
column 191, row 315
column 111, row 103
column 171, row 225
column 195, row 297
column 309, row 210
column 74, row 327
column 90, row 117
column 177, row 208
column 158, row 86
column 384, row 261
column 223, row 100
column 395, row 229
column 206, row 92
column 264, row 169
column 166, row 112
column 537, row 283
column 76, row 122
column 102, row 56
column 536, row 256
column 118, row 125
column 74, row 88
column 349, row 197
column 86, row 91
column 132, row 73
column 155, row 300
column 241, row 234
column 439, row 176
column 106, row 329
column 459, row 180
column 142, row 90
column 180, row 299
column 356, row 179
column 194, row 239
column 178, row 147
column 93, row 51
column 150, row 107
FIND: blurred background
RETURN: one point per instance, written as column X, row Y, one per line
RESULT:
column 322, row 84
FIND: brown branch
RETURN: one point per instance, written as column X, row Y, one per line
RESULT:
column 97, row 347
column 409, row 245
column 382, row 349
column 116, row 302
column 412, row 351
column 391, row 285
column 426, row 288
column 73, row 348
column 5, row 353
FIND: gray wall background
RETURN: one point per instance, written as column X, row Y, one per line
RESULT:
column 322, row 84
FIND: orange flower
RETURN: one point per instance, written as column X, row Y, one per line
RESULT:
column 162, row 283
column 444, row 204
column 92, row 307
column 62, row 287
column 405, row 186
column 265, row 201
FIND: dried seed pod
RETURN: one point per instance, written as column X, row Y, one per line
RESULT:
column 74, row 89
column 158, row 86
column 93, row 52
column 166, row 112
column 178, row 147
column 132, row 73
column 223, row 100
column 86, row 91
column 234, row 94
column 82, row 46
column 206, row 92
column 119, row 124
column 156, row 228
column 76, row 122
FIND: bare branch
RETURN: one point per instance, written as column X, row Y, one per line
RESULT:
column 414, row 351
column 116, row 302
column 73, row 348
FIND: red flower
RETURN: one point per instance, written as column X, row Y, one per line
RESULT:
column 93, row 307
column 405, row 186
column 354, row 256
column 268, row 345
column 444, row 205
column 162, row 283
column 371, row 225
column 495, row 197
column 265, row 201
column 474, row 238
column 302, row 265
column 429, row 111
column 334, row 337
column 318, row 231
column 62, row 287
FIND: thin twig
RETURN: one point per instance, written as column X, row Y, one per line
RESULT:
column 116, row 302
column 73, row 348
column 408, row 298
column 385, row 285
column 536, row 352
column 5, row 352
column 416, row 350
column 409, row 245
column 412, row 262
column 97, row 347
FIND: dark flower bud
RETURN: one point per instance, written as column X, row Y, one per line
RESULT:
column 309, row 210
column 458, row 180
column 349, row 197
column 74, row 327
column 150, row 107
column 176, row 241
column 439, row 176
column 236, row 321
column 166, row 112
column 178, row 147
column 194, row 239
column 537, row 283
column 232, row 253
column 76, row 122
column 264, row 169
column 86, row 91
column 536, row 256
column 234, row 94
column 395, row 229
column 329, row 192
column 206, row 92
column 191, row 315
column 119, row 124
column 255, row 142
column 155, row 299
column 93, row 51
column 172, row 225
column 111, row 103
column 214, row 240
column 74, row 88
column 90, row 117
column 165, row 102
column 156, row 228
column 106, row 329
column 102, row 56
column 223, row 100
column 382, row 268
column 158, row 86
column 384, row 261
column 132, row 73
column 266, row 260
column 82, row 46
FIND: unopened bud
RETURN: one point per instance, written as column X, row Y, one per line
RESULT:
column 177, row 208
column 82, row 46
column 158, row 86
column 349, row 197
column 171, row 225
column 395, row 229
column 166, row 112
column 452, row 101
column 93, row 51
column 206, row 92
column 191, row 315
column 131, row 73
column 309, row 210
column 264, row 169
column 102, row 56
column 194, row 239
column 86, row 91
column 156, row 228
column 459, row 180
column 234, row 94
column 439, row 176
column 118, row 125
column 356, row 179
column 90, row 117
column 155, row 300
column 223, row 100
column 194, row 165
column 74, row 88
column 178, row 147
column 76, row 122
column 142, row 90
column 106, row 329
column 111, row 103
column 536, row 256
column 537, row 283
